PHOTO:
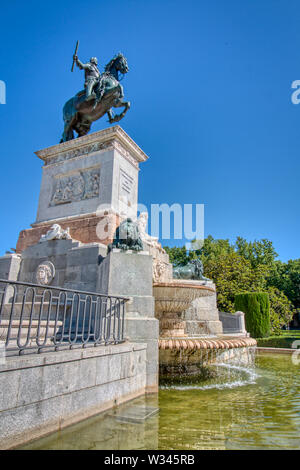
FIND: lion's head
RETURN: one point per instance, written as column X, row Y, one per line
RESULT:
column 127, row 236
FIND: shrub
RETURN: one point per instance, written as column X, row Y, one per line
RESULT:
column 256, row 306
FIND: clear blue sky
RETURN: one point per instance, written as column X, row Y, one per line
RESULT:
column 210, row 87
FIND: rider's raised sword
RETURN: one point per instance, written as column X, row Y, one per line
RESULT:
column 75, row 53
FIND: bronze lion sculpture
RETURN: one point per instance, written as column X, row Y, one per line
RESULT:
column 192, row 270
column 127, row 237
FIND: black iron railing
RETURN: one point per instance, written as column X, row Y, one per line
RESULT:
column 35, row 317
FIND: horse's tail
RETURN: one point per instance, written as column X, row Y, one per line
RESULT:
column 69, row 113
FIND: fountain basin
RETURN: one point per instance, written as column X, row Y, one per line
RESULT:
column 195, row 356
column 186, row 308
column 176, row 296
column 194, row 344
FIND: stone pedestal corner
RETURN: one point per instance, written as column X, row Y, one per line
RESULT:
column 130, row 274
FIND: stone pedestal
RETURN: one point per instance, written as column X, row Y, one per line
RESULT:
column 130, row 274
column 83, row 180
column 9, row 266
column 233, row 323
column 75, row 265
column 9, row 269
column 202, row 317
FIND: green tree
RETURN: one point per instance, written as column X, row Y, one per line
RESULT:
column 177, row 255
column 247, row 267
column 257, row 252
column 286, row 277
column 233, row 274
column 281, row 309
column 214, row 248
column 211, row 249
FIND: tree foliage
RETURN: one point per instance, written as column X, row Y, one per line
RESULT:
column 257, row 252
column 177, row 255
column 281, row 309
column 247, row 267
column 232, row 275
column 286, row 278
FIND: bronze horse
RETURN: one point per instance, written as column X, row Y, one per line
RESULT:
column 78, row 114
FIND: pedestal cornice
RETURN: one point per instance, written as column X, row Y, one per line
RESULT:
column 113, row 137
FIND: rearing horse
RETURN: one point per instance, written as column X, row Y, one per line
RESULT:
column 78, row 114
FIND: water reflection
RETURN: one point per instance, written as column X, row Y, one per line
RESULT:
column 106, row 431
column 242, row 409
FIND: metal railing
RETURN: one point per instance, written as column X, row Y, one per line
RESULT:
column 35, row 317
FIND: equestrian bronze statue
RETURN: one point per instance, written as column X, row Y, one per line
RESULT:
column 101, row 93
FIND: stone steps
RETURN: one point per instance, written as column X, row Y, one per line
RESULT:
column 28, row 330
column 17, row 310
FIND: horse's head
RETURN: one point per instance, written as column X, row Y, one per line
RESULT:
column 119, row 63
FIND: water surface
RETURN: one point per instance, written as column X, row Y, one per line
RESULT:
column 242, row 409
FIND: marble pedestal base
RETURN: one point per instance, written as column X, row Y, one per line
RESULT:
column 130, row 275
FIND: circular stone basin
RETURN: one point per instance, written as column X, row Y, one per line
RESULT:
column 201, row 343
column 176, row 296
column 198, row 356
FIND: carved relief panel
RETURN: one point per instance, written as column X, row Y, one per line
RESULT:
column 81, row 185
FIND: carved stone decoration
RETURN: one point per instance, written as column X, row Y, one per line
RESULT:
column 81, row 151
column 45, row 273
column 56, row 233
column 117, row 146
column 112, row 138
column 206, row 344
column 142, row 224
column 76, row 187
column 91, row 148
column 159, row 270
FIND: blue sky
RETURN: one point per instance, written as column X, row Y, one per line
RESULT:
column 210, row 87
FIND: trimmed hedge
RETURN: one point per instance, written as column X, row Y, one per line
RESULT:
column 256, row 306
